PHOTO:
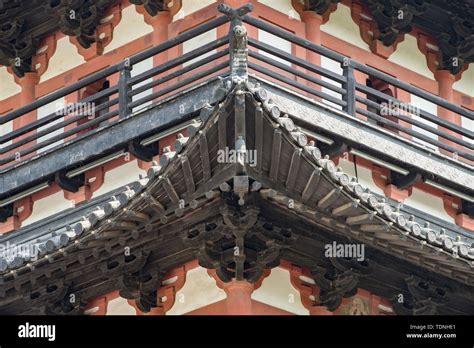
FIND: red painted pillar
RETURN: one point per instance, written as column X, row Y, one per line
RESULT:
column 12, row 223
column 28, row 85
column 27, row 95
column 319, row 310
column 239, row 300
column 465, row 221
column 101, row 303
column 445, row 90
column 160, row 33
column 235, row 3
column 154, row 311
column 160, row 24
column 397, row 194
column 313, row 23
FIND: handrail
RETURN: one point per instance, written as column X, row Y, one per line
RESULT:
column 340, row 90
column 179, row 60
column 289, row 81
column 423, row 114
column 419, row 124
column 413, row 90
column 414, row 133
column 59, row 137
column 54, row 116
column 177, row 73
column 272, row 29
column 297, row 61
column 54, row 127
column 179, row 39
column 180, row 84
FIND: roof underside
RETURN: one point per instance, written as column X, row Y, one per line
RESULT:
column 288, row 204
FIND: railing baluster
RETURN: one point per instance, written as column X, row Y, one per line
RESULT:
column 124, row 98
column 350, row 87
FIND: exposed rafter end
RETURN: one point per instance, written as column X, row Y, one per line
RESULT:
column 404, row 181
column 467, row 208
column 6, row 212
column 338, row 147
column 71, row 184
column 144, row 153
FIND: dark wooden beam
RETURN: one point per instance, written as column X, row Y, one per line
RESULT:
column 205, row 162
column 275, row 159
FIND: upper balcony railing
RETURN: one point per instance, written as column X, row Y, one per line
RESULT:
column 126, row 90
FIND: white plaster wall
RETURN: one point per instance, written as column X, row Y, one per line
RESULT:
column 466, row 85
column 347, row 167
column 429, row 204
column 139, row 68
column 64, row 59
column 277, row 42
column 48, row 206
column 466, row 82
column 364, row 175
column 8, row 86
column 419, row 199
column 283, row 6
column 409, row 56
column 198, row 291
column 201, row 290
column 120, row 306
column 431, row 108
column 277, row 291
column 131, row 27
column 4, row 130
column 120, row 176
column 468, row 124
column 197, row 42
column 47, row 110
column 56, row 203
column 341, row 25
column 336, row 68
column 366, row 180
column 190, row 6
